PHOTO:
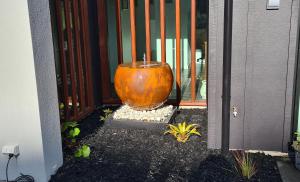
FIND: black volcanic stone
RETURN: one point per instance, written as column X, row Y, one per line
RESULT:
column 131, row 154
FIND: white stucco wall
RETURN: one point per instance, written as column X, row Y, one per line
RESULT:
column 28, row 100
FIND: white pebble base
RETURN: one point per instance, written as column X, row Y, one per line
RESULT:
column 158, row 115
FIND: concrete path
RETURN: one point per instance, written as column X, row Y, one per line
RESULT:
column 287, row 170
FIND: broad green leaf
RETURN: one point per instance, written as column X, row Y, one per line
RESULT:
column 85, row 151
column 78, row 153
column 74, row 132
column 68, row 124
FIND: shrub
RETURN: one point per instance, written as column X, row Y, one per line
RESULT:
column 244, row 164
column 182, row 132
column 83, row 151
column 107, row 113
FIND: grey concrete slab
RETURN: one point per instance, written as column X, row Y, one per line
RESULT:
column 287, row 170
column 136, row 124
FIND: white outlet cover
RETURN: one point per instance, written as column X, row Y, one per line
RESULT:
column 273, row 4
column 11, row 149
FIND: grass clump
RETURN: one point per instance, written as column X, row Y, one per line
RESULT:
column 245, row 165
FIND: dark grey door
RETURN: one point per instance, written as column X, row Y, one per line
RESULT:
column 262, row 75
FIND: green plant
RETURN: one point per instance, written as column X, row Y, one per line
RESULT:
column 297, row 136
column 107, row 113
column 296, row 143
column 83, row 151
column 61, row 107
column 70, row 131
column 182, row 132
column 244, row 164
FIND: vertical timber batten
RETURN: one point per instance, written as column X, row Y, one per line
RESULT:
column 178, row 51
column 71, row 55
column 119, row 31
column 78, row 51
column 104, row 64
column 133, row 32
column 163, row 31
column 87, row 54
column 148, row 31
column 62, row 55
column 193, row 49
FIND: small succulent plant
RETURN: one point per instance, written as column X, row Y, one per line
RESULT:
column 107, row 113
column 296, row 143
column 182, row 132
column 244, row 164
column 83, row 151
column 70, row 131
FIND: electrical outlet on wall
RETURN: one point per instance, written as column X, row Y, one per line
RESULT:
column 10, row 149
column 273, row 4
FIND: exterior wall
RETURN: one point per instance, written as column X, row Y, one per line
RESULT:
column 262, row 40
column 260, row 35
column 28, row 99
column 296, row 119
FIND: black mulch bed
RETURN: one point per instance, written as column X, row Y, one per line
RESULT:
column 126, row 154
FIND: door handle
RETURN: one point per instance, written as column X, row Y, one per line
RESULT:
column 234, row 111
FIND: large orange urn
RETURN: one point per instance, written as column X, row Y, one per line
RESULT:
column 143, row 86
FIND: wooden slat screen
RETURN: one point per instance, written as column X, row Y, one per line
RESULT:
column 163, row 43
column 74, row 58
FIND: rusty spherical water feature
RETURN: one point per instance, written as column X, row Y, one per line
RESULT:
column 143, row 86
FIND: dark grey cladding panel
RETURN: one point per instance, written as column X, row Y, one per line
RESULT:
column 216, row 19
column 264, row 49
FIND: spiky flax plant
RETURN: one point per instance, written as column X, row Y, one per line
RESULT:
column 245, row 165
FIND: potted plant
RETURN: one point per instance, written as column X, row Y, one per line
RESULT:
column 296, row 146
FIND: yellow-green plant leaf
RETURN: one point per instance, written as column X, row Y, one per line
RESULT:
column 61, row 106
column 194, row 131
column 172, row 127
column 74, row 132
column 107, row 111
column 78, row 153
column 86, row 151
column 190, row 126
column 180, row 127
column 68, row 125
